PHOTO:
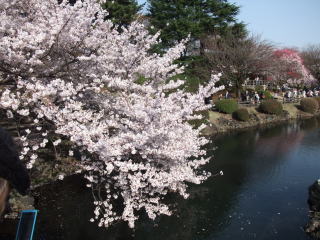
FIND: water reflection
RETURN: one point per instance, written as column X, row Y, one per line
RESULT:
column 280, row 144
column 262, row 194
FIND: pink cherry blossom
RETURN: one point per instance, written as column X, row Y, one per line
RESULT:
column 296, row 72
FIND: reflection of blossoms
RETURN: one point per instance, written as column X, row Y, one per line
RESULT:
column 79, row 79
column 280, row 145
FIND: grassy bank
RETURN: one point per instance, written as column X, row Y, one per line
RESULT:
column 221, row 122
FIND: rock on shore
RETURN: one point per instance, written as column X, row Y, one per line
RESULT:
column 313, row 226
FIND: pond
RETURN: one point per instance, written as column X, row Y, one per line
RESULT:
column 262, row 194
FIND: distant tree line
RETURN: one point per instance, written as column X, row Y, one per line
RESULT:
column 218, row 42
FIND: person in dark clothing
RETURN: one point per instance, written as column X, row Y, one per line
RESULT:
column 12, row 170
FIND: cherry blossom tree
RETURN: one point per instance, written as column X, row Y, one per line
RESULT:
column 73, row 76
column 292, row 68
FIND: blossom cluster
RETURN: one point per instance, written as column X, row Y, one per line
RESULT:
column 295, row 70
column 77, row 78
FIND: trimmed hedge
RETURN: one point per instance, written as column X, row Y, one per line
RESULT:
column 226, row 105
column 241, row 114
column 309, row 105
column 271, row 106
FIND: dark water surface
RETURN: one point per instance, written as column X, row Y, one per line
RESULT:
column 262, row 194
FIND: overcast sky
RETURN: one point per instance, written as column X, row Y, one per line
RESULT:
column 290, row 23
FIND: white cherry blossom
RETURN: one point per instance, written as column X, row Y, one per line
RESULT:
column 77, row 78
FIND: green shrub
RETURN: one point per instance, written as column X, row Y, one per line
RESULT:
column 309, row 105
column 271, row 106
column 267, row 95
column 226, row 105
column 259, row 88
column 241, row 114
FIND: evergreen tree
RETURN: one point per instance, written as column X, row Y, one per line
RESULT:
column 177, row 19
column 122, row 12
column 198, row 18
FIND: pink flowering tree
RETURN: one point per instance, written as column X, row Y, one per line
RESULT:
column 72, row 76
column 292, row 68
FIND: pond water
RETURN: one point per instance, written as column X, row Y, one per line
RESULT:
column 262, row 194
